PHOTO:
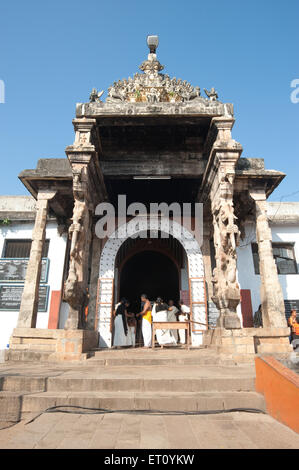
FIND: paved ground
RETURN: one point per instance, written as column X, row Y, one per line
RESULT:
column 127, row 431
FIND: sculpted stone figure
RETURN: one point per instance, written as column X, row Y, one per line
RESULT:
column 213, row 95
column 153, row 96
column 75, row 290
column 230, row 229
column 95, row 95
column 194, row 94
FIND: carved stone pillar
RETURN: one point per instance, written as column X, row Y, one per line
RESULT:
column 29, row 303
column 226, row 291
column 88, row 190
column 273, row 309
column 75, row 289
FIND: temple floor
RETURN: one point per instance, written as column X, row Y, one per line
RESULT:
column 119, row 431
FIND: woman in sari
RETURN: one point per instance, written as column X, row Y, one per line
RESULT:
column 160, row 313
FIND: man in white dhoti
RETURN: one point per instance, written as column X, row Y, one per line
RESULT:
column 172, row 316
column 160, row 313
column 183, row 316
column 146, row 315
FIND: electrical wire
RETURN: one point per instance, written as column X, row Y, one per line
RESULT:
column 86, row 410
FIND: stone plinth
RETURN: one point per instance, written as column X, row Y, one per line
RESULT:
column 53, row 345
column 272, row 340
column 248, row 341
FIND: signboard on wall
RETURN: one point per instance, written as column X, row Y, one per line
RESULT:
column 11, row 295
column 14, row 269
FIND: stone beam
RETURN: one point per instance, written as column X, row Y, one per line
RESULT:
column 29, row 303
column 178, row 168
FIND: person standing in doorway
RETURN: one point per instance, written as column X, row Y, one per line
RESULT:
column 146, row 315
column 132, row 330
column 173, row 316
column 120, row 324
column 160, row 314
column 183, row 316
column 258, row 318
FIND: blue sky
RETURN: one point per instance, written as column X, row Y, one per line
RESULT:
column 53, row 53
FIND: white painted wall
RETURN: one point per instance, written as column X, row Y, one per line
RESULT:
column 57, row 245
column 246, row 275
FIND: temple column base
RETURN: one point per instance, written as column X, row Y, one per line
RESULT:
column 243, row 344
column 272, row 340
column 229, row 321
column 51, row 345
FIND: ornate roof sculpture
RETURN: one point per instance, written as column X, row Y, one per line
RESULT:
column 152, row 91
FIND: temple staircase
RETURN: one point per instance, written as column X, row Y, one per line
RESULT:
column 165, row 380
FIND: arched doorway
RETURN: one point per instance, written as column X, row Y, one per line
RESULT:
column 108, row 277
column 149, row 272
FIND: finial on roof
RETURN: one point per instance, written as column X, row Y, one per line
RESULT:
column 152, row 42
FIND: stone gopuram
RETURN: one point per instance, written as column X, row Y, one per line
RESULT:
column 154, row 139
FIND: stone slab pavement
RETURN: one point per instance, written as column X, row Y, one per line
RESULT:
column 138, row 431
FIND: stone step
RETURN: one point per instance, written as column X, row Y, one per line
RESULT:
column 155, row 360
column 20, row 383
column 10, row 406
column 183, row 384
column 16, row 355
column 156, row 378
column 125, row 400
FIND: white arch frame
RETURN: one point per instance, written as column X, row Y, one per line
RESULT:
column 107, row 271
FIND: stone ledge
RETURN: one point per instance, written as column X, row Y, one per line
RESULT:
column 249, row 341
column 34, row 333
column 61, row 345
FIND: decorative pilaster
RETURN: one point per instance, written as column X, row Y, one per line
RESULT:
column 29, row 303
column 80, row 155
column 273, row 309
column 83, row 157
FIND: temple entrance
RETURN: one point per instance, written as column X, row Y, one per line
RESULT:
column 149, row 272
column 175, row 266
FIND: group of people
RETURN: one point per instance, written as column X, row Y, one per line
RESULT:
column 125, row 323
